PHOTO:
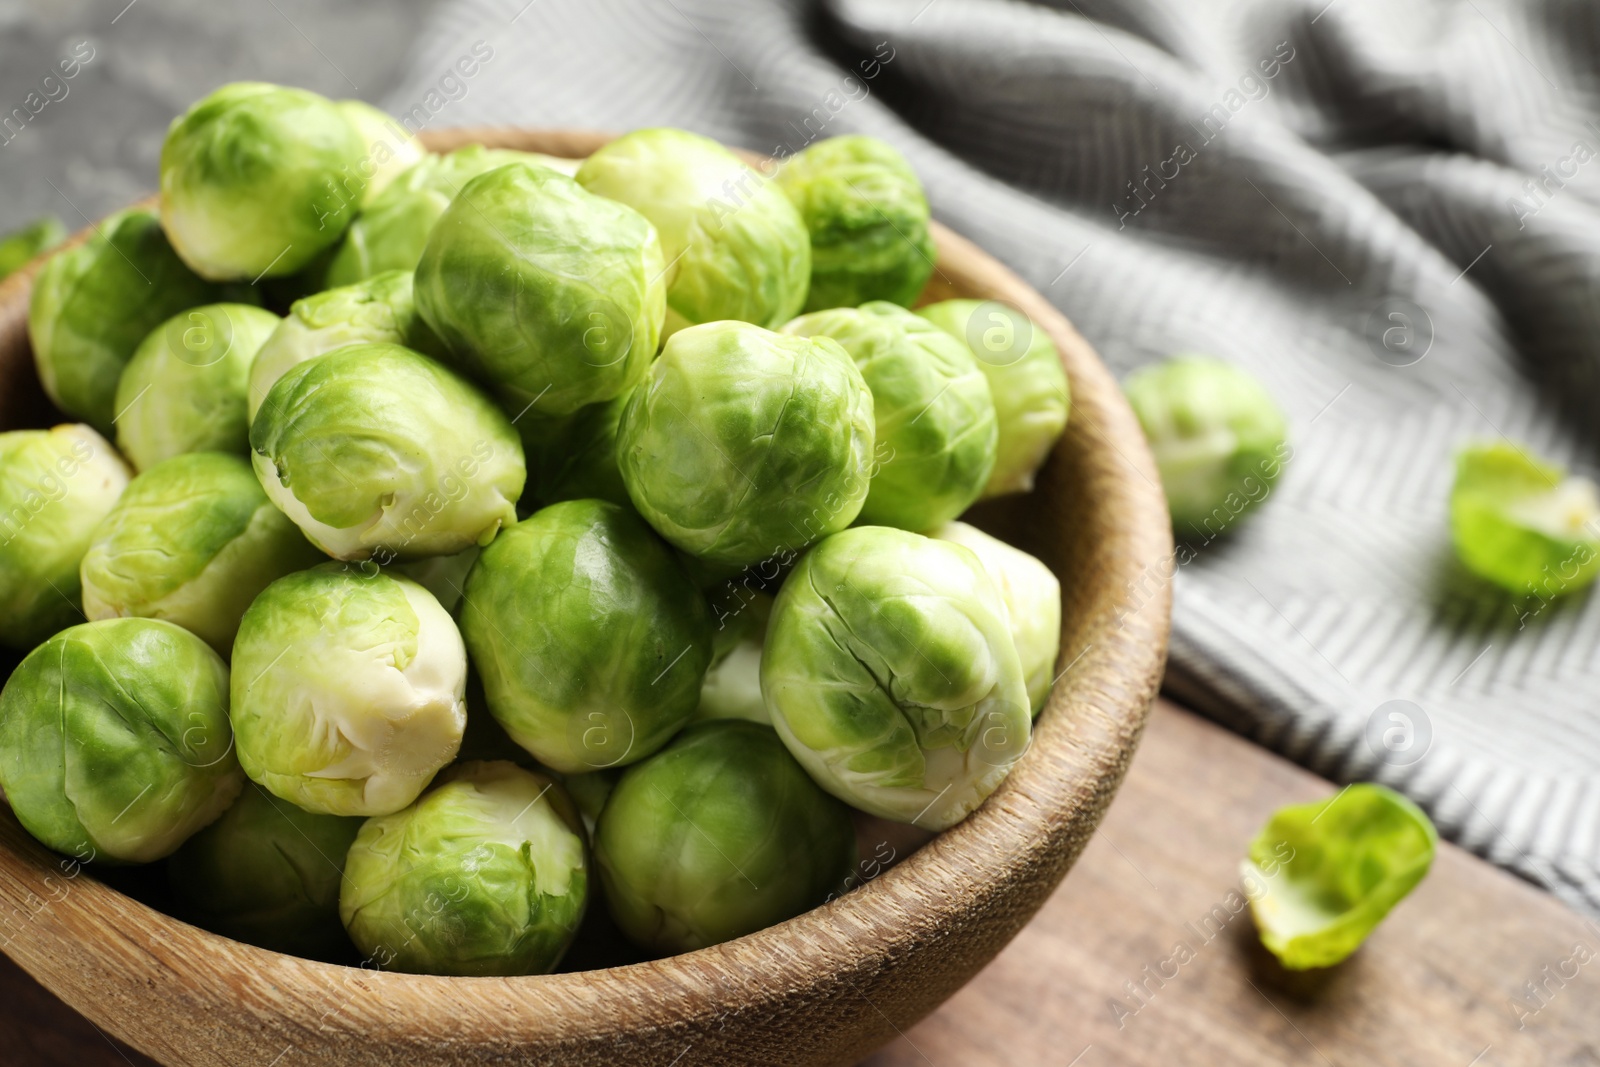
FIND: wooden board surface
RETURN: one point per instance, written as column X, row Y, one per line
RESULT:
column 1442, row 982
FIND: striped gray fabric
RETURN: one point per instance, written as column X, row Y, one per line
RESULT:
column 1388, row 212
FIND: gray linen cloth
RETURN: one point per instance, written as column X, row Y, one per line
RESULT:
column 1389, row 212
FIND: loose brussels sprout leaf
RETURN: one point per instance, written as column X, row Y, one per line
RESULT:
column 1322, row 876
column 717, row 836
column 1219, row 439
column 936, row 432
column 19, row 246
column 94, row 303
column 591, row 641
column 868, row 220
column 114, row 740
column 1524, row 524
column 379, row 309
column 55, row 487
column 388, row 149
column 1032, row 597
column 392, row 230
column 735, row 247
column 184, row 389
column 552, row 296
column 257, row 179
column 743, row 443
column 485, row 875
column 267, row 873
column 732, row 688
column 1026, row 380
column 378, row 452
column 890, row 673
column 191, row 541
column 347, row 690
column 574, row 457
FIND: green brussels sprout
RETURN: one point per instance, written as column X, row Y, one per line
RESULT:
column 256, row 180
column 743, row 443
column 443, row 576
column 1026, row 380
column 191, row 541
column 114, row 740
column 267, row 873
column 590, row 791
column 1522, row 523
column 392, row 230
column 1218, row 436
column 868, row 220
column 347, row 690
column 184, row 389
column 1322, row 876
column 93, row 303
column 936, row 433
column 735, row 246
column 732, row 688
column 718, row 835
column 1032, row 596
column 378, row 452
column 55, row 487
column 485, row 875
column 575, row 456
column 388, row 149
column 591, row 641
column 549, row 294
column 19, row 246
column 378, row 309
column 890, row 672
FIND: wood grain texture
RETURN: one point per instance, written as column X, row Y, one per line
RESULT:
column 1441, row 982
column 824, row 988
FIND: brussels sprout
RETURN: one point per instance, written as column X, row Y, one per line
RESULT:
column 55, row 487
column 732, row 688
column 590, row 791
column 591, row 641
column 717, row 836
column 347, row 690
column 379, row 309
column 1026, row 380
column 443, row 576
column 890, row 673
column 743, row 443
column 93, row 304
column 393, row 228
column 485, row 875
column 1522, row 523
column 735, row 247
column 575, row 456
column 376, row 451
column 257, row 179
column 551, row 295
column 868, row 220
column 184, row 389
column 1032, row 597
column 114, row 740
column 19, row 246
column 388, row 149
column 1322, row 876
column 936, row 432
column 267, row 873
column 1219, row 439
column 191, row 541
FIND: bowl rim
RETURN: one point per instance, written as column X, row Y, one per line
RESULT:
column 115, row 959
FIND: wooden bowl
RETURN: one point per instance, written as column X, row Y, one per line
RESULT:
column 827, row 987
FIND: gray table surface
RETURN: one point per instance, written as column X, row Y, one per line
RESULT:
column 96, row 148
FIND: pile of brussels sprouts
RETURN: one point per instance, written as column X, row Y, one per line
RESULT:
column 576, row 531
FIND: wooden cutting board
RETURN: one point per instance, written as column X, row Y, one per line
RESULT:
column 1140, row 958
